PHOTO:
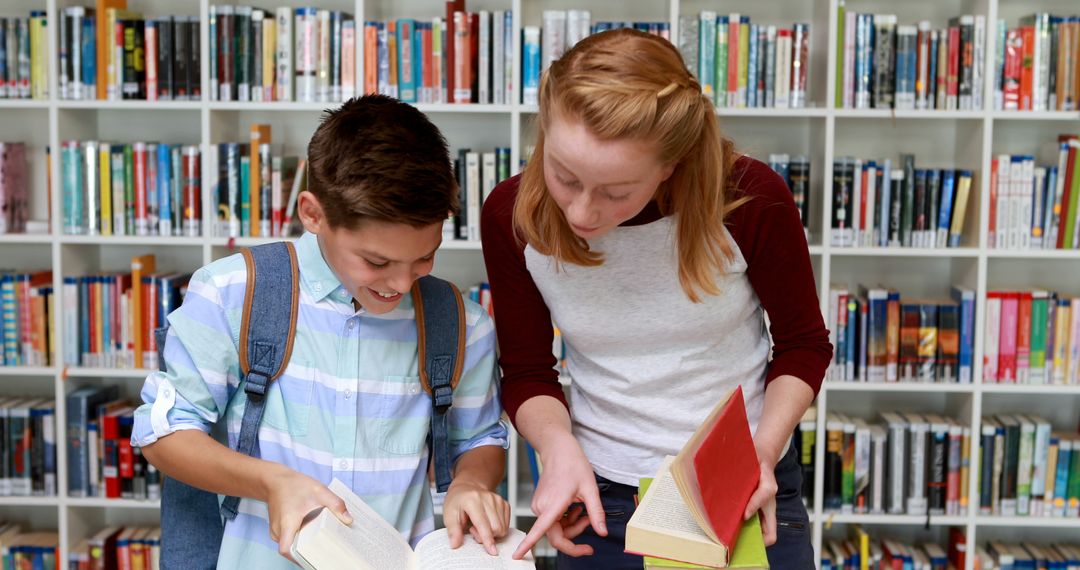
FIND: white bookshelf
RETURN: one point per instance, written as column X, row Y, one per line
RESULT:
column 966, row 139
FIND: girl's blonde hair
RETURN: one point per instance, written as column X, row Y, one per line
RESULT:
column 626, row 84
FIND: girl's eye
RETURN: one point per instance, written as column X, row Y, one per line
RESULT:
column 617, row 198
column 570, row 183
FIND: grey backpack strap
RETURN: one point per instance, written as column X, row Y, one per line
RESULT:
column 266, row 336
column 440, row 327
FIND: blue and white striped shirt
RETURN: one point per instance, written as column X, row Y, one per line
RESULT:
column 349, row 405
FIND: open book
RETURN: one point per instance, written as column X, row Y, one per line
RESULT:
column 694, row 512
column 370, row 543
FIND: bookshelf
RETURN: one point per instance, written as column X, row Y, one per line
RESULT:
column 967, row 139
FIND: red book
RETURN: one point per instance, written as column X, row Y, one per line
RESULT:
column 717, row 471
column 1023, row 337
column 110, row 437
column 142, row 217
column 1027, row 67
column 448, row 46
column 953, row 77
column 1014, row 48
column 1010, row 302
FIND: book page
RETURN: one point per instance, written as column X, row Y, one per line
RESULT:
column 370, row 542
column 664, row 508
column 434, row 553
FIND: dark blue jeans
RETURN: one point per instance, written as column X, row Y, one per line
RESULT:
column 792, row 550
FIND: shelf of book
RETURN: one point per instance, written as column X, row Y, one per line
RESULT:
column 941, row 138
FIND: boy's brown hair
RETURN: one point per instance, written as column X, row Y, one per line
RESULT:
column 376, row 158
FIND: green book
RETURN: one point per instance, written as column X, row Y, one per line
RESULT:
column 1040, row 311
column 840, row 54
column 1069, row 210
column 749, row 546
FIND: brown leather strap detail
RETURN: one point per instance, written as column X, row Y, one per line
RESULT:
column 294, row 266
column 249, row 292
column 421, row 337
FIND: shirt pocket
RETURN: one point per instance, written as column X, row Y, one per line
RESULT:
column 402, row 416
column 289, row 401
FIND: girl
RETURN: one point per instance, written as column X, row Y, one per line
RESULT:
column 657, row 250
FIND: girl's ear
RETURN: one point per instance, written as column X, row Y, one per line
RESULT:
column 668, row 170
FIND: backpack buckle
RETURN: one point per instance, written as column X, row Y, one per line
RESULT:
column 256, row 384
column 442, row 397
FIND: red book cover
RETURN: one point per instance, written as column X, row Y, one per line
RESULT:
column 425, row 67
column 957, row 547
column 192, row 210
column 1027, row 67
column 462, row 92
column 720, row 465
column 371, row 58
column 142, row 218
column 92, row 318
column 733, row 58
column 110, row 437
column 953, row 79
column 448, row 46
column 1023, row 337
column 150, row 318
column 1010, row 302
column 1014, row 48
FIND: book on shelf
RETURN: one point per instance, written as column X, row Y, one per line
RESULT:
column 477, row 175
column 24, row 548
column 694, row 511
column 1031, row 337
column 14, row 188
column 883, row 63
column 880, row 337
column 1036, row 63
column 914, row 464
column 1004, row 555
column 27, row 308
column 742, row 64
column 138, row 189
column 861, row 550
column 325, row 543
column 1027, row 468
column 131, row 547
column 28, row 448
column 1036, row 206
column 23, row 53
column 805, row 442
column 795, row 170
column 878, row 205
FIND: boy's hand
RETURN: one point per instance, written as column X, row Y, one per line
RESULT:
column 471, row 505
column 291, row 496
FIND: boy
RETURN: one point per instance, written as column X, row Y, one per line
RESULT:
column 350, row 404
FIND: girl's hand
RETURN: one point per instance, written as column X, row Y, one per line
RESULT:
column 764, row 500
column 485, row 513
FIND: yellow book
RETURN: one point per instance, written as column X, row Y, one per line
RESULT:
column 39, row 57
column 956, row 228
column 260, row 134
column 269, row 57
column 749, row 549
column 141, row 265
column 104, row 158
column 105, row 10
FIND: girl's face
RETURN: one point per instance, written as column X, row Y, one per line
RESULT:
column 598, row 184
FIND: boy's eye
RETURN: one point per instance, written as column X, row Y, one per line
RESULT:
column 377, row 265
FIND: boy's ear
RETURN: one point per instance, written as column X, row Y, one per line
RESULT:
column 310, row 211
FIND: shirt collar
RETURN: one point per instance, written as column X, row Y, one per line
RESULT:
column 315, row 274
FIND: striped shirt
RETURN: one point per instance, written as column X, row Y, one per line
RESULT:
column 348, row 406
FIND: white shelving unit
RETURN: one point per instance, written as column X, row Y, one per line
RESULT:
column 965, row 139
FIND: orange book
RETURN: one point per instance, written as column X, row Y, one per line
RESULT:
column 104, row 54
column 141, row 266
column 260, row 134
column 391, row 44
column 462, row 59
column 371, row 59
column 1028, row 67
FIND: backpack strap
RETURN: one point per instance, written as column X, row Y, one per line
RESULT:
column 440, row 331
column 266, row 336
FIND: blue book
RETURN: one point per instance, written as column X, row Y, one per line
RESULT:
column 11, row 320
column 89, row 57
column 72, row 188
column 406, row 56
column 948, row 194
column 164, row 185
column 530, row 73
column 966, row 299
column 752, row 69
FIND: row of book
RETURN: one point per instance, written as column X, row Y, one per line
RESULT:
column 109, row 52
column 1026, row 469
column 14, row 187
column 881, row 338
column 466, row 57
column 560, row 31
column 27, row 308
column 915, row 464
column 111, row 317
column 1031, row 337
column 23, row 53
column 795, row 170
column 256, row 186
column 27, row 447
column 20, row 548
column 1001, row 555
column 101, row 460
column 877, row 205
column 143, row 188
column 289, row 54
column 477, row 175
column 118, row 547
column 1036, row 207
column 882, row 64
column 742, row 64
column 1037, row 65
column 861, row 551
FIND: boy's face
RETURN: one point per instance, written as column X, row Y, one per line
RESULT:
column 378, row 262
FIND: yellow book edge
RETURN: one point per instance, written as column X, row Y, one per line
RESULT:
column 749, row 552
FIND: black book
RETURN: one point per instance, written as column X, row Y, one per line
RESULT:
column 908, row 205
column 180, row 61
column 165, row 57
column 933, row 193
column 461, row 221
column 194, row 84
column 138, row 59
column 130, row 84
column 799, row 172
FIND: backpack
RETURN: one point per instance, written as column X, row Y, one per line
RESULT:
column 192, row 522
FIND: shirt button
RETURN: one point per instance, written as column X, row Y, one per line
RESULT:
column 348, row 393
column 343, row 465
column 318, row 286
column 352, row 324
column 168, row 393
column 414, row 390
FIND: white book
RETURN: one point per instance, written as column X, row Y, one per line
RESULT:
column 370, row 543
column 489, row 175
column 306, row 52
column 856, row 220
column 897, row 462
column 498, row 58
column 553, row 43
column 578, row 23
column 1037, row 508
column 508, row 56
column 869, row 231
column 918, row 431
column 322, row 62
column 862, row 466
column 1025, row 466
column 978, row 84
column 472, row 194
column 284, row 54
column 783, row 71
column 1001, row 230
column 878, row 457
